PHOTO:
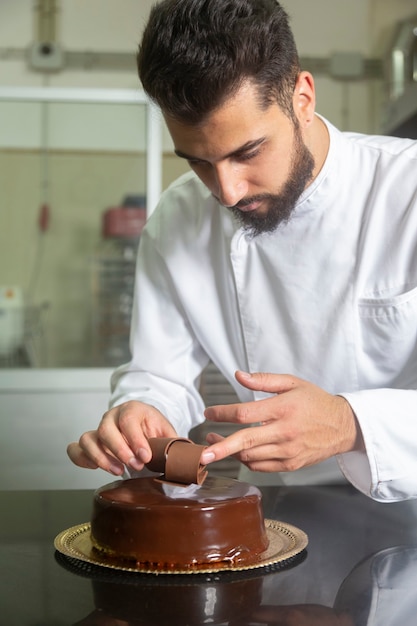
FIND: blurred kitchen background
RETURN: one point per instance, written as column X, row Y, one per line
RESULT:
column 83, row 159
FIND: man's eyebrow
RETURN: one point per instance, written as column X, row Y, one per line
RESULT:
column 249, row 145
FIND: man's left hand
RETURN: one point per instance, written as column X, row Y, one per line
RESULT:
column 300, row 425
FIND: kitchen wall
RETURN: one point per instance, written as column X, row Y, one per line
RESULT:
column 48, row 153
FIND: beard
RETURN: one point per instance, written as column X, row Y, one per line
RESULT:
column 280, row 206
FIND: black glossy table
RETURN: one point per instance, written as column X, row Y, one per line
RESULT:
column 360, row 568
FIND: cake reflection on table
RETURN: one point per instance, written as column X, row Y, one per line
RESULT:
column 173, row 604
column 237, row 603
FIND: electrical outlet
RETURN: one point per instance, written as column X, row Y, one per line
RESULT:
column 46, row 57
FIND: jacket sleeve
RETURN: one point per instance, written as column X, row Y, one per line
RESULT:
column 167, row 360
column 387, row 472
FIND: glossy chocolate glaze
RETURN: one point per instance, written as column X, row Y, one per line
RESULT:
column 179, row 527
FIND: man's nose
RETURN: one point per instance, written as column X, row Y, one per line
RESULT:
column 231, row 187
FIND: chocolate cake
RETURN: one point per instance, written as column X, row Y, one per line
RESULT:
column 164, row 526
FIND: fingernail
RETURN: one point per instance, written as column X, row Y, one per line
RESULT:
column 116, row 470
column 207, row 457
column 245, row 375
column 143, row 455
column 135, row 464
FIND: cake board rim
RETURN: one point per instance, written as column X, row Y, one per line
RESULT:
column 286, row 542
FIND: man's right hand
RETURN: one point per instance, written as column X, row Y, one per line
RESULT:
column 121, row 438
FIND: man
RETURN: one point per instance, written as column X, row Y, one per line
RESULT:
column 287, row 255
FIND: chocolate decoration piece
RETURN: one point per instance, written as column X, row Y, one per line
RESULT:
column 178, row 459
column 183, row 463
column 159, row 448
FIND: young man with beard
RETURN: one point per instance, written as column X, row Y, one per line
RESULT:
column 287, row 257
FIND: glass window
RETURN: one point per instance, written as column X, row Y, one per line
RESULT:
column 78, row 171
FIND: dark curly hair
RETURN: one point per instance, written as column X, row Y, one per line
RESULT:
column 195, row 54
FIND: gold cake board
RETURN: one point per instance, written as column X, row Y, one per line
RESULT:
column 285, row 543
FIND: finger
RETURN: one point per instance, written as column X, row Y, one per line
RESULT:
column 213, row 438
column 262, row 458
column 261, row 452
column 247, row 413
column 136, row 425
column 234, row 444
column 93, row 448
column 241, row 413
column 272, row 465
column 262, row 381
column 78, row 457
column 110, row 436
column 93, row 456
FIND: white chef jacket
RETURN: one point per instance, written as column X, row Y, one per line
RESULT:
column 381, row 590
column 330, row 297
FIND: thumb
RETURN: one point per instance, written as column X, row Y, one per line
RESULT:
column 262, row 381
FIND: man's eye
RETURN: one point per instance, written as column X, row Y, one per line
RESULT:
column 195, row 162
column 247, row 156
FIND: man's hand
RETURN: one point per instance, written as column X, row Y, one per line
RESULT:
column 121, row 438
column 300, row 425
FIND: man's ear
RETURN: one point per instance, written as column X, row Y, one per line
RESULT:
column 304, row 99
